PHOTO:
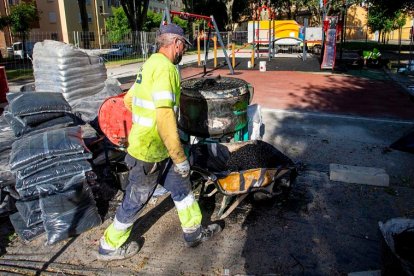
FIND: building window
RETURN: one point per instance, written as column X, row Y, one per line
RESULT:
column 52, row 17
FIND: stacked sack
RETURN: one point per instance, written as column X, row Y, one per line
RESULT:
column 60, row 67
column 51, row 180
column 31, row 111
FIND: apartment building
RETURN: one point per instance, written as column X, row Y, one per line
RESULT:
column 61, row 20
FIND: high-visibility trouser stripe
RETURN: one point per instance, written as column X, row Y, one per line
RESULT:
column 189, row 212
column 163, row 95
column 143, row 121
column 143, row 103
column 115, row 236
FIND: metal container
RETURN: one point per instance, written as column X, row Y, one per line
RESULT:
column 213, row 107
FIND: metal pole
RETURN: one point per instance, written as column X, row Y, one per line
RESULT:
column 222, row 45
column 305, row 25
column 411, row 46
column 207, row 49
column 258, row 38
column 270, row 38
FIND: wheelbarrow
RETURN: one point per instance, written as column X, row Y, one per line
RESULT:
column 265, row 172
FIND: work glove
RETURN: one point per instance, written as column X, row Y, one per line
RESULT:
column 182, row 168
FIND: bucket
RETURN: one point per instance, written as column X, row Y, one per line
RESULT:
column 262, row 66
column 115, row 120
column 4, row 86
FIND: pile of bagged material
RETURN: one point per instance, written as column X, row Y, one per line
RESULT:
column 80, row 77
column 51, row 181
column 61, row 67
column 31, row 111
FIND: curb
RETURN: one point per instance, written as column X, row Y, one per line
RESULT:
column 405, row 84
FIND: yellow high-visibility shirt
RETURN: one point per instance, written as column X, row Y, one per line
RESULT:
column 157, row 85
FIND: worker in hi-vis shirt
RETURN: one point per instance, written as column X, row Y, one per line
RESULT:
column 155, row 154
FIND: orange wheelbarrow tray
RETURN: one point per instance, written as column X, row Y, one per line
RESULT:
column 236, row 186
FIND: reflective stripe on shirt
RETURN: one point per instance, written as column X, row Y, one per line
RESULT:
column 163, row 95
column 143, row 121
column 143, row 103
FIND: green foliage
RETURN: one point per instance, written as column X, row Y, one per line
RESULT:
column 180, row 22
column 22, row 16
column 153, row 21
column 380, row 20
column 117, row 26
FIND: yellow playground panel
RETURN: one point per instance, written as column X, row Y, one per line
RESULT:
column 276, row 28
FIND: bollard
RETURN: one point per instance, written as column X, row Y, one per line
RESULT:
column 215, row 51
column 198, row 51
column 262, row 66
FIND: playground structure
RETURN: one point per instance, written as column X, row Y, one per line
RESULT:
column 263, row 31
column 211, row 23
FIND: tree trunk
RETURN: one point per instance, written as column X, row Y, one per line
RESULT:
column 229, row 10
column 136, row 12
column 85, row 25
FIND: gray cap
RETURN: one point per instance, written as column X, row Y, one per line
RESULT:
column 173, row 29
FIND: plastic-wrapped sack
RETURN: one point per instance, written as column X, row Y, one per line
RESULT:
column 68, row 213
column 32, row 192
column 29, row 211
column 28, row 103
column 57, row 49
column 64, row 63
column 87, row 108
column 397, row 246
column 7, row 202
column 36, row 119
column 20, row 128
column 405, row 143
column 53, row 174
column 66, row 77
column 24, row 232
column 52, row 162
column 35, row 148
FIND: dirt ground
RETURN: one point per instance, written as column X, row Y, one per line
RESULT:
column 321, row 227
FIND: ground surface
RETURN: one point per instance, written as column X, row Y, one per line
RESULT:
column 320, row 228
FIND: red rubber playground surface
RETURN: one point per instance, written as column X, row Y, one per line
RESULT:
column 321, row 92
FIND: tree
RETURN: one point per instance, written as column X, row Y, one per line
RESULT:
column 379, row 19
column 21, row 19
column 117, row 25
column 84, row 23
column 136, row 13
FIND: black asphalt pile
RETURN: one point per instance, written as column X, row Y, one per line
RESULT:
column 257, row 154
column 238, row 156
column 51, row 170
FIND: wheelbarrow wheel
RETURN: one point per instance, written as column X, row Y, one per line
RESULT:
column 278, row 188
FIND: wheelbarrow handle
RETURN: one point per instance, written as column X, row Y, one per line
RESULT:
column 204, row 173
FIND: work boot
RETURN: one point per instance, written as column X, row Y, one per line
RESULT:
column 127, row 250
column 204, row 234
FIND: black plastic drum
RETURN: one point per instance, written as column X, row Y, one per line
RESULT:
column 213, row 107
